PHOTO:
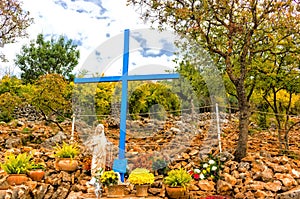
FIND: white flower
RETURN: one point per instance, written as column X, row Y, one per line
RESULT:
column 205, row 165
column 213, row 168
column 202, row 176
column 197, row 171
column 211, row 162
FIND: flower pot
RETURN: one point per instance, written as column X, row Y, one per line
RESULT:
column 36, row 175
column 67, row 164
column 175, row 192
column 141, row 190
column 115, row 191
column 16, row 179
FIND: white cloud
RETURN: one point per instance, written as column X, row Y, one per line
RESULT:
column 82, row 21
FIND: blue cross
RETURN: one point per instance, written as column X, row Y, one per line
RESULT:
column 124, row 79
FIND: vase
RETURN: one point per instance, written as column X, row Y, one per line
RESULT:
column 175, row 192
column 115, row 191
column 67, row 164
column 141, row 190
column 36, row 175
column 16, row 179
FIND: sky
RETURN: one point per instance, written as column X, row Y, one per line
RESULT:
column 89, row 23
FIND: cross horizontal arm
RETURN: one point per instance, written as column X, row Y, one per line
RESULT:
column 97, row 79
column 152, row 77
column 129, row 78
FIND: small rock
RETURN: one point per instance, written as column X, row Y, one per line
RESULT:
column 286, row 179
column 267, row 175
column 20, row 123
column 230, row 179
column 260, row 194
column 243, row 166
column 256, row 185
column 295, row 173
column 273, row 186
column 223, row 186
column 206, row 185
column 292, row 194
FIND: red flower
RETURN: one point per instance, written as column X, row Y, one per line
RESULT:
column 196, row 176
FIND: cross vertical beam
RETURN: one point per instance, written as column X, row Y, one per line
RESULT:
column 123, row 113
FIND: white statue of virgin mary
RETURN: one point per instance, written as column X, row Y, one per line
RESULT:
column 97, row 144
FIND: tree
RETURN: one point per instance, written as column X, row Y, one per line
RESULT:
column 13, row 22
column 10, row 89
column 236, row 33
column 153, row 96
column 46, row 57
column 192, row 78
column 103, row 97
column 279, row 84
column 52, row 97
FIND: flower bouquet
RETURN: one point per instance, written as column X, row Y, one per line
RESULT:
column 208, row 169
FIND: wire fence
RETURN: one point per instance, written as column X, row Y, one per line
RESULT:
column 260, row 133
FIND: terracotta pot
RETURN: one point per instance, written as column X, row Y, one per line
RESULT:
column 36, row 175
column 175, row 192
column 67, row 164
column 115, row 191
column 141, row 190
column 16, row 179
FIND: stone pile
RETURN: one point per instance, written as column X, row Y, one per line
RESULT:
column 259, row 175
column 27, row 111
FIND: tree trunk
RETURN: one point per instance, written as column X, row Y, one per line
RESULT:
column 244, row 109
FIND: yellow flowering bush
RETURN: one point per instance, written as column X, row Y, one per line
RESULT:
column 141, row 176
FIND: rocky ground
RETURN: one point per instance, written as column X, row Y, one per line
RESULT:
column 181, row 142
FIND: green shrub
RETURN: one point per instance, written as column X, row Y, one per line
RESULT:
column 16, row 164
column 66, row 150
column 178, row 178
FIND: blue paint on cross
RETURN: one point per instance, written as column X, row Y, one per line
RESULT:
column 124, row 79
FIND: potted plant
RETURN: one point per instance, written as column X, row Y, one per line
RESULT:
column 16, row 166
column 177, row 181
column 36, row 171
column 66, row 154
column 111, row 179
column 142, row 179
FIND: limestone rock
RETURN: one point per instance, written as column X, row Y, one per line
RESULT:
column 256, row 185
column 229, row 179
column 260, row 194
column 243, row 166
column 223, row 187
column 13, row 142
column 278, row 168
column 273, row 186
column 40, row 191
column 286, row 179
column 267, row 175
column 292, row 194
column 295, row 173
column 206, row 185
